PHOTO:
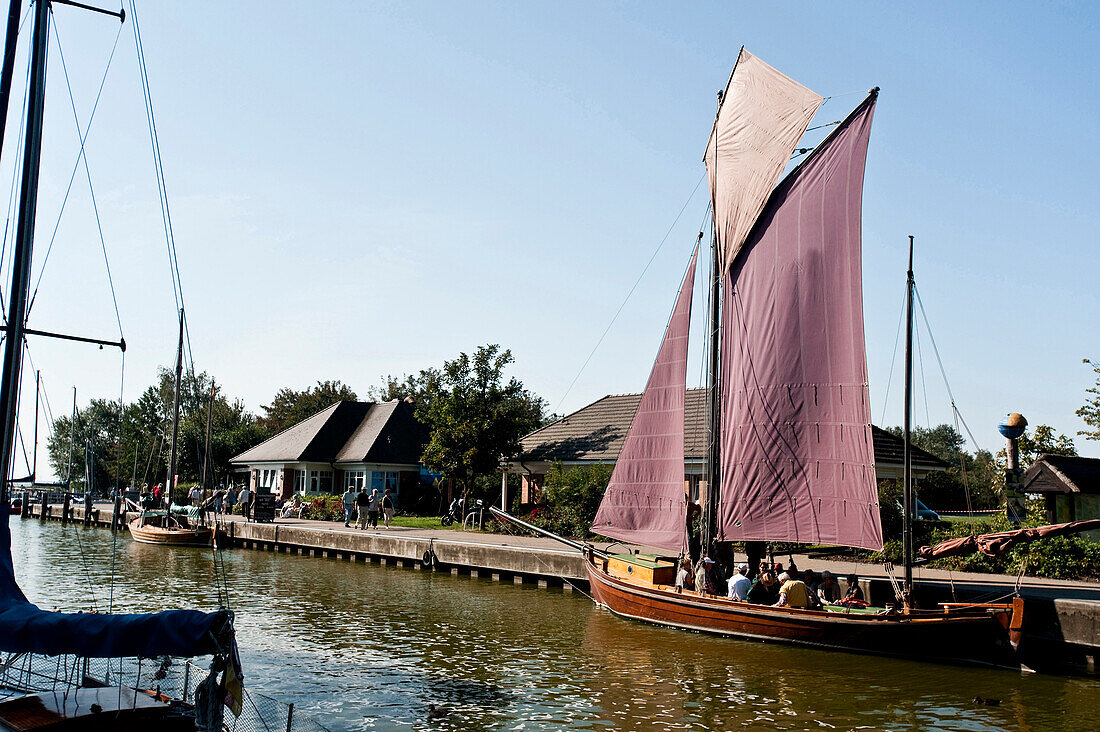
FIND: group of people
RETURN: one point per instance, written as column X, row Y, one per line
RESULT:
column 366, row 507
column 769, row 585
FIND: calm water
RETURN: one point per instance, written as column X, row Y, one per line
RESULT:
column 368, row 647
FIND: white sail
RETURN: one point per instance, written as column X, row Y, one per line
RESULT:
column 762, row 117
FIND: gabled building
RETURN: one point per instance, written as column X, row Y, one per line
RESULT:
column 595, row 434
column 346, row 445
column 1070, row 487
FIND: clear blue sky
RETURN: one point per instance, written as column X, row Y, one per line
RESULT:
column 361, row 189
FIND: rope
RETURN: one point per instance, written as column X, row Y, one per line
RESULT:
column 628, row 294
column 893, row 357
column 80, row 156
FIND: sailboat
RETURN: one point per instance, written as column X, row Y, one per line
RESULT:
column 791, row 456
column 33, row 695
column 170, row 527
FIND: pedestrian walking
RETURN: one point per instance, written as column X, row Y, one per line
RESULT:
column 244, row 500
column 387, row 508
column 349, row 505
column 373, row 507
column 362, row 502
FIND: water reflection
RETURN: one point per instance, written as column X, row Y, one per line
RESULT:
column 368, row 647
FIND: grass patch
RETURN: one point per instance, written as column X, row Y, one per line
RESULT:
column 417, row 522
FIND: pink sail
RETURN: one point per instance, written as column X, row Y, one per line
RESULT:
column 763, row 115
column 645, row 500
column 797, row 460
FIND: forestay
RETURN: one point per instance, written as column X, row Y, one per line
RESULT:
column 762, row 117
column 645, row 501
column 796, row 454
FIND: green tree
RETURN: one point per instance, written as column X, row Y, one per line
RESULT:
column 975, row 475
column 289, row 406
column 475, row 416
column 580, row 488
column 1090, row 410
column 1043, row 441
column 420, row 387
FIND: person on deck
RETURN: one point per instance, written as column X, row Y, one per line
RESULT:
column 388, row 508
column 740, row 584
column 828, row 592
column 157, row 493
column 349, row 505
column 793, row 592
column 855, row 592
column 230, row 499
column 764, row 591
column 362, row 506
column 374, row 507
column 685, row 580
column 195, row 495
column 706, row 582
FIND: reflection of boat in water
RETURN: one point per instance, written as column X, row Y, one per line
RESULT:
column 791, row 456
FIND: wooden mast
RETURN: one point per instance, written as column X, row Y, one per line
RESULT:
column 175, row 419
column 24, row 244
column 714, row 406
column 209, row 421
column 907, row 485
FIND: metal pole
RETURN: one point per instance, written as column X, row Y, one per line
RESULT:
column 907, row 485
column 714, row 411
column 34, row 459
column 504, row 490
column 10, row 43
column 175, row 413
column 206, row 451
column 72, row 436
column 24, row 244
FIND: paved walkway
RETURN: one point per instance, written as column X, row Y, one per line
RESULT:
column 993, row 583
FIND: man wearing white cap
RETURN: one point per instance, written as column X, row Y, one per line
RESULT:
column 705, row 583
column 740, row 583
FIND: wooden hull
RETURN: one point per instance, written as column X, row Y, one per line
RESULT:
column 149, row 534
column 971, row 635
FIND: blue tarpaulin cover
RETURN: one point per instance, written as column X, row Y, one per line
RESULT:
column 24, row 628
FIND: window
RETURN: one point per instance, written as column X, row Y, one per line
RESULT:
column 325, row 484
column 299, row 481
column 354, row 480
column 380, row 480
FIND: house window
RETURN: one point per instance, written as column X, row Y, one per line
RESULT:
column 380, row 480
column 354, row 480
column 325, row 484
column 299, row 481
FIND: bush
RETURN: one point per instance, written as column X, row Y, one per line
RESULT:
column 579, row 489
column 324, row 507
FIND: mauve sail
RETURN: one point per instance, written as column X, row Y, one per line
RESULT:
column 762, row 117
column 644, row 502
column 796, row 454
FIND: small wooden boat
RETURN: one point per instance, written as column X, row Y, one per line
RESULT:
column 118, row 709
column 160, row 527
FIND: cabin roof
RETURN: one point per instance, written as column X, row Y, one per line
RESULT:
column 596, row 433
column 1063, row 474
column 346, row 432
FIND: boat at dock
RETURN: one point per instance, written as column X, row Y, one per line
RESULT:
column 167, row 529
column 791, row 456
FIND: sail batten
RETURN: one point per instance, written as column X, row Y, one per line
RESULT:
column 645, row 501
column 763, row 115
column 797, row 458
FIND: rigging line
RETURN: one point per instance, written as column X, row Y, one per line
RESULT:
column 890, row 375
column 943, row 372
column 80, row 156
column 15, row 183
column 83, row 156
column 827, row 124
column 923, row 385
column 631, row 292
column 118, row 476
column 154, row 141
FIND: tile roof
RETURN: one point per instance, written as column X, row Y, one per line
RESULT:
column 346, row 432
column 1063, row 474
column 597, row 432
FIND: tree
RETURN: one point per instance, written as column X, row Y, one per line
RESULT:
column 966, row 474
column 580, row 488
column 289, row 407
column 475, row 416
column 1042, row 441
column 1090, row 411
column 420, row 387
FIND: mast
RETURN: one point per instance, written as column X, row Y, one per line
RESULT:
column 175, row 417
column 907, row 486
column 34, row 453
column 11, row 40
column 24, row 244
column 209, row 421
column 72, row 436
column 714, row 405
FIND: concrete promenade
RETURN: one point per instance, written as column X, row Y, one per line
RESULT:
column 1059, row 612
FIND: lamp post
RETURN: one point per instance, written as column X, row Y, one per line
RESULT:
column 1012, row 427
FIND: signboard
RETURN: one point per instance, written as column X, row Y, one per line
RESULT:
column 263, row 507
